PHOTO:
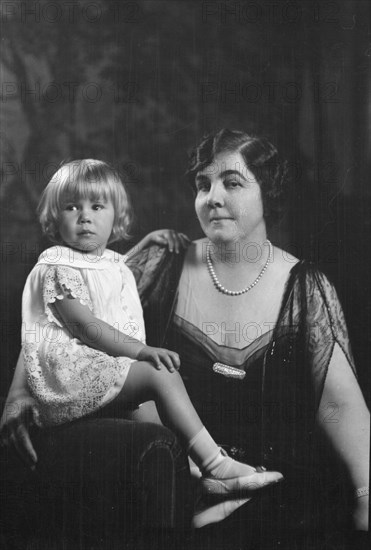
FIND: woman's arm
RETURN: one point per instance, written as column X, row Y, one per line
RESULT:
column 97, row 334
column 20, row 412
column 349, row 429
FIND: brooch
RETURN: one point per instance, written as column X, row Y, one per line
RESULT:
column 229, row 372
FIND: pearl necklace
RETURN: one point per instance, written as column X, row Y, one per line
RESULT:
column 224, row 290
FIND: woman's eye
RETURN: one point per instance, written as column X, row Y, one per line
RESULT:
column 202, row 187
column 232, row 183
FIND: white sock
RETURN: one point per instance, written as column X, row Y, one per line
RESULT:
column 210, row 458
column 204, row 451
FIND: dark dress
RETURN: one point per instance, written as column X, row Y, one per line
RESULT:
column 268, row 417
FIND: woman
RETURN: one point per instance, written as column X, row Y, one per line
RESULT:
column 264, row 349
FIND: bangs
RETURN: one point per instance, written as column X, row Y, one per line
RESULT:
column 87, row 179
column 82, row 189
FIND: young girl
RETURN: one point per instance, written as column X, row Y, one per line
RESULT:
column 83, row 335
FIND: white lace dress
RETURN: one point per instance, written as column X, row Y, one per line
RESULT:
column 68, row 378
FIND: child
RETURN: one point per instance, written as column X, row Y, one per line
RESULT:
column 83, row 335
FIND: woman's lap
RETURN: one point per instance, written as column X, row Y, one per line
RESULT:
column 97, row 477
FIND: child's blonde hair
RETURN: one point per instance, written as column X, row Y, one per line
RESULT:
column 87, row 178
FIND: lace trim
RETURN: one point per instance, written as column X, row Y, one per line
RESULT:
column 336, row 319
column 313, row 306
column 72, row 380
column 145, row 265
column 61, row 282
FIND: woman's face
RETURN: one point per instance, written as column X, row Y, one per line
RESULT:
column 228, row 202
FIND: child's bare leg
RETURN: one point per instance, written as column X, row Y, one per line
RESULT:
column 145, row 383
column 145, row 412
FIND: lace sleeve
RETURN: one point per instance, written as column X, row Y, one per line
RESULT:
column 63, row 282
column 325, row 326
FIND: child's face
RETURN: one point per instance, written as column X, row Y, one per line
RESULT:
column 86, row 225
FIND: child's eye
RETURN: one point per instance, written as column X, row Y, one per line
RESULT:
column 98, row 206
column 70, row 207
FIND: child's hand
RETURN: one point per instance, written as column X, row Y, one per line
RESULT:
column 169, row 237
column 160, row 357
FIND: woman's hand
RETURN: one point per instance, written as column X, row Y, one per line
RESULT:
column 169, row 237
column 360, row 514
column 164, row 237
column 20, row 413
column 160, row 357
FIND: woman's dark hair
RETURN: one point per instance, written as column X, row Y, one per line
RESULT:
column 261, row 158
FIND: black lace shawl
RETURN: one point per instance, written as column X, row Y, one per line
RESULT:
column 270, row 415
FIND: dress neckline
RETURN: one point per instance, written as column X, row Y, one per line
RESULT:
column 65, row 256
column 214, row 348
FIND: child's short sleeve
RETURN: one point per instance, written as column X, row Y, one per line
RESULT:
column 62, row 282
